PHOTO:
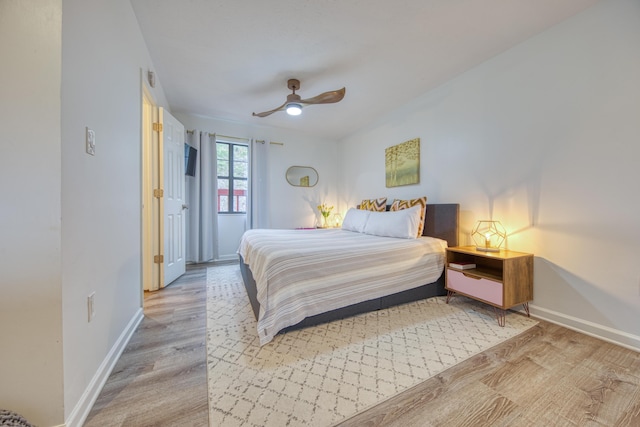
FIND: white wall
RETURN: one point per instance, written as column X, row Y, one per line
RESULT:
column 289, row 207
column 71, row 222
column 30, row 261
column 543, row 137
column 103, row 54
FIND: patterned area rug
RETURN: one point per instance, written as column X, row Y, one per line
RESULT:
column 321, row 375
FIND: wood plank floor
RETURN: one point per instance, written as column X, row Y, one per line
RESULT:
column 161, row 377
column 547, row 376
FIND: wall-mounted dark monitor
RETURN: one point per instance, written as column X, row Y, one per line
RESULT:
column 190, row 156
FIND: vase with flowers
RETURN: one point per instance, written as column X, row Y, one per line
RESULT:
column 325, row 210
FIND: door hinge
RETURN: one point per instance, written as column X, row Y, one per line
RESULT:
column 158, row 259
column 157, row 127
column 158, row 193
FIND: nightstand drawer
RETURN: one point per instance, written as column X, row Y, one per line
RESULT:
column 477, row 287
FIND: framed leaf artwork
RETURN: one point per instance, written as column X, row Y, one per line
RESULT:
column 402, row 163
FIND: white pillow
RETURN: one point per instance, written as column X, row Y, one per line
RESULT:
column 355, row 220
column 403, row 223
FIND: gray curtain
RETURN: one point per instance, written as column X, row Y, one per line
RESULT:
column 258, row 200
column 202, row 220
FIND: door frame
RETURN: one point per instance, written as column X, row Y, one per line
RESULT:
column 151, row 227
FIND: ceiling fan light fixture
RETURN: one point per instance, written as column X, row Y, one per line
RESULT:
column 293, row 104
column 294, row 109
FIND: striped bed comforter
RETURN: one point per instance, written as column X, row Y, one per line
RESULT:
column 301, row 273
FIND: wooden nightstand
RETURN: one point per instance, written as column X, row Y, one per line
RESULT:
column 502, row 279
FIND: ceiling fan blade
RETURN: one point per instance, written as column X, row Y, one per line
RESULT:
column 326, row 98
column 266, row 113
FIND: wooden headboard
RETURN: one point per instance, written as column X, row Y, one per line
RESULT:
column 441, row 221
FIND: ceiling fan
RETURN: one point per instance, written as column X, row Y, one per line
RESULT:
column 294, row 103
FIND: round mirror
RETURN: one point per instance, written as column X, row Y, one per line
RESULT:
column 302, row 176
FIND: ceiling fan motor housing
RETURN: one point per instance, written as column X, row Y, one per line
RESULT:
column 293, row 84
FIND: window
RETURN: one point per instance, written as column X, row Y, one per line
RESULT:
column 233, row 174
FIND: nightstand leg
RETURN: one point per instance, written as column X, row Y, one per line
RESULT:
column 449, row 295
column 526, row 308
column 500, row 315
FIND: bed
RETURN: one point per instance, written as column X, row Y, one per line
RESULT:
column 334, row 283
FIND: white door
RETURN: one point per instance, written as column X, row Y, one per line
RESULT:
column 173, row 197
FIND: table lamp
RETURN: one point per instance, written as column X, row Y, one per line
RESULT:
column 488, row 235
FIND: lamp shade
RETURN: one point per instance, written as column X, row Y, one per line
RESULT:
column 337, row 220
column 488, row 235
column 294, row 109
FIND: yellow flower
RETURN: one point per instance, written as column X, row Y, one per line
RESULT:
column 325, row 210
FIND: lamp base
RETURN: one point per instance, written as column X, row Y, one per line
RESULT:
column 485, row 249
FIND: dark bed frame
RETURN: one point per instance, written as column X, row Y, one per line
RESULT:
column 441, row 221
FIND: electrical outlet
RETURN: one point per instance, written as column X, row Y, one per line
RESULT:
column 91, row 142
column 91, row 310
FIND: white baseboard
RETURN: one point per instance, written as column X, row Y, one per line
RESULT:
column 80, row 412
column 586, row 327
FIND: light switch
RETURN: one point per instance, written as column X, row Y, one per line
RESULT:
column 91, row 142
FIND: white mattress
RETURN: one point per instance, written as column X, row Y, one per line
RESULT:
column 301, row 273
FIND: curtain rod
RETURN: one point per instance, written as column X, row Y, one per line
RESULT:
column 230, row 137
column 222, row 136
column 259, row 141
column 262, row 141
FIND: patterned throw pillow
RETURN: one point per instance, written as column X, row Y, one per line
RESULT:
column 376, row 205
column 404, row 204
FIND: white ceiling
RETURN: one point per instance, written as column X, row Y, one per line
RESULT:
column 228, row 58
